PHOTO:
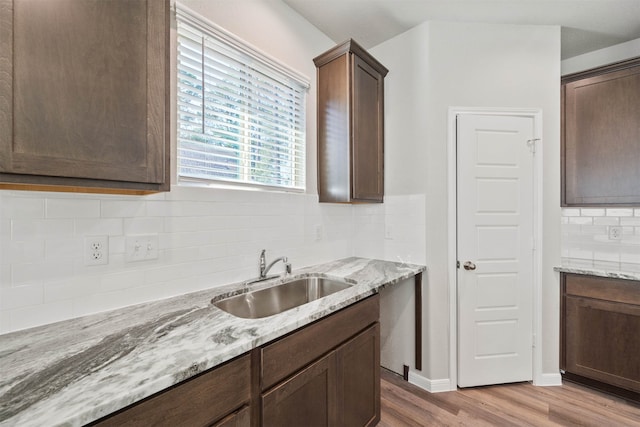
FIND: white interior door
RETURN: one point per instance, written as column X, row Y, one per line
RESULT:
column 495, row 200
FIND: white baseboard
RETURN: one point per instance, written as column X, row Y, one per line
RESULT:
column 439, row 386
column 432, row 386
column 548, row 380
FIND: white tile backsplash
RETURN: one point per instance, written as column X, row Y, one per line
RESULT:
column 619, row 212
column 207, row 238
column 585, row 238
column 72, row 208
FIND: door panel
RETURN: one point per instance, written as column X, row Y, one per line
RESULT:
column 495, row 234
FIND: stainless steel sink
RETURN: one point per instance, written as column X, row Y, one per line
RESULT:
column 276, row 299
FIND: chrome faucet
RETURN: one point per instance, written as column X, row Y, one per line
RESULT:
column 264, row 268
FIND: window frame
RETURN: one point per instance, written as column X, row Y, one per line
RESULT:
column 266, row 66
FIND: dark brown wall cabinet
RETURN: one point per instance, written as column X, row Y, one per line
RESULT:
column 350, row 125
column 324, row 374
column 84, row 94
column 601, row 136
column 600, row 333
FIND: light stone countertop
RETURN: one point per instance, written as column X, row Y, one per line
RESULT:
column 591, row 271
column 76, row 371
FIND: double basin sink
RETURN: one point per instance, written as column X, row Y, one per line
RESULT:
column 282, row 297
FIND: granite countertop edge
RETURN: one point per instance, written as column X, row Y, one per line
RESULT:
column 591, row 271
column 77, row 371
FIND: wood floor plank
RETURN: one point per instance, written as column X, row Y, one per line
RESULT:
column 522, row 404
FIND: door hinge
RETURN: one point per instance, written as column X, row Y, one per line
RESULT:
column 531, row 143
column 533, row 341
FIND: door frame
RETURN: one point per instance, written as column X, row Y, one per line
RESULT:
column 452, row 212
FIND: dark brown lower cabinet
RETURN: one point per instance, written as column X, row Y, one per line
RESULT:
column 218, row 397
column 340, row 389
column 600, row 333
column 324, row 374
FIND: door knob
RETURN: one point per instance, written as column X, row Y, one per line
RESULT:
column 469, row 265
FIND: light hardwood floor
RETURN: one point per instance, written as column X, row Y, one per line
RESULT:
column 521, row 404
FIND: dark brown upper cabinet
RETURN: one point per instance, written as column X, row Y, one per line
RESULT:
column 350, row 125
column 601, row 136
column 84, row 95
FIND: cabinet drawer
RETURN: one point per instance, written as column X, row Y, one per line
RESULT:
column 297, row 350
column 615, row 290
column 202, row 400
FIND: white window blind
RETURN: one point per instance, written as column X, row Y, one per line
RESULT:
column 241, row 115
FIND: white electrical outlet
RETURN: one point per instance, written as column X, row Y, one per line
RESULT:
column 615, row 232
column 141, row 247
column 96, row 250
column 319, row 232
column 388, row 232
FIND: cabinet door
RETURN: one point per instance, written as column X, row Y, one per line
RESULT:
column 602, row 341
column 359, row 379
column 601, row 152
column 367, row 133
column 307, row 399
column 601, row 330
column 82, row 86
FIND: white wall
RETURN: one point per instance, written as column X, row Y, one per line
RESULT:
column 207, row 237
column 435, row 66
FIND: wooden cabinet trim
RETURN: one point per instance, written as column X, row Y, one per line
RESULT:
column 350, row 46
column 628, row 63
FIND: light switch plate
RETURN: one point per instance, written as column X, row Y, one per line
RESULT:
column 141, row 247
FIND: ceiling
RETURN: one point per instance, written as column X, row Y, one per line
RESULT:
column 587, row 25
